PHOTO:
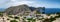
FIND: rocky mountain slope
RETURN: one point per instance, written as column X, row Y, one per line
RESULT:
column 17, row 9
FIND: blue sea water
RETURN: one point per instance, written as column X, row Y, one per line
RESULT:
column 52, row 10
column 2, row 9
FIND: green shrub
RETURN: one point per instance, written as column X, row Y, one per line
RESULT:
column 34, row 20
column 29, row 21
column 16, row 17
column 1, row 14
column 10, row 16
column 29, row 18
column 8, row 19
column 13, row 21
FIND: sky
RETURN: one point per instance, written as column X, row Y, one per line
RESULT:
column 34, row 3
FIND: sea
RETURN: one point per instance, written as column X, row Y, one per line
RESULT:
column 51, row 10
column 2, row 9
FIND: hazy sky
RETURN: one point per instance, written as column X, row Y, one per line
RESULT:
column 35, row 3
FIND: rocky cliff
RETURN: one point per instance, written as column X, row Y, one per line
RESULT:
column 17, row 9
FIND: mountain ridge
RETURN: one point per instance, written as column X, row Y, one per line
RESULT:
column 17, row 9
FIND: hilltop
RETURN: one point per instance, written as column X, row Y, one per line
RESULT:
column 17, row 9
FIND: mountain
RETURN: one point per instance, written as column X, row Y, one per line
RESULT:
column 17, row 9
column 32, row 8
column 40, row 9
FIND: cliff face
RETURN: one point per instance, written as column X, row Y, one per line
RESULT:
column 17, row 9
